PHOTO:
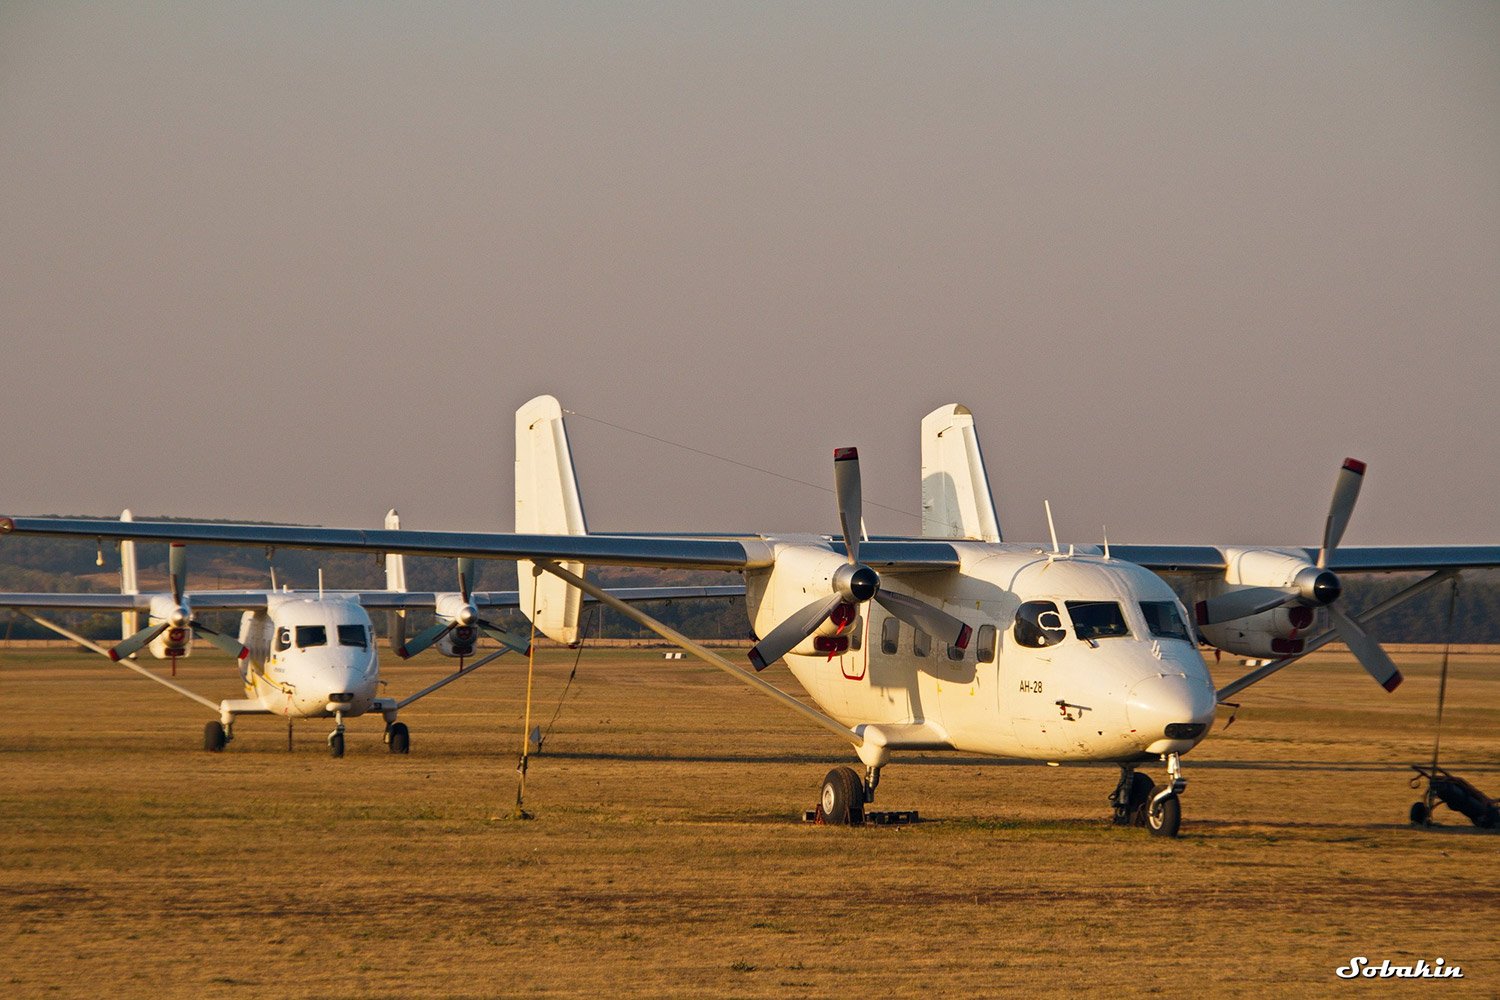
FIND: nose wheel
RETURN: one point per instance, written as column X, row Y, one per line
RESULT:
column 336, row 738
column 1137, row 801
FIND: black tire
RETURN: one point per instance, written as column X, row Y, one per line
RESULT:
column 841, row 802
column 1165, row 818
column 1420, row 815
column 336, row 744
column 213, row 737
column 1141, row 790
column 400, row 738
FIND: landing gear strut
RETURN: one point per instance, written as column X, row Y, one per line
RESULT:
column 1139, row 802
column 336, row 738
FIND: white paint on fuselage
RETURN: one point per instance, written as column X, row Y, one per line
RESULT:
column 1109, row 700
column 301, row 681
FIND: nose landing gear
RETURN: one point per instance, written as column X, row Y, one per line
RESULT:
column 336, row 738
column 1139, row 802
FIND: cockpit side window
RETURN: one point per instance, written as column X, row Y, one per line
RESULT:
column 1097, row 620
column 1164, row 621
column 311, row 635
column 353, row 635
column 283, row 639
column 1038, row 624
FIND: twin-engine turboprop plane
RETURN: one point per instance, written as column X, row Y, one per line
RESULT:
column 305, row 655
column 955, row 640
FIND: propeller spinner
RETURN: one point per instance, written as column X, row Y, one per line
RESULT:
column 854, row 584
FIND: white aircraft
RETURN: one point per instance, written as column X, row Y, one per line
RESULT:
column 956, row 640
column 304, row 655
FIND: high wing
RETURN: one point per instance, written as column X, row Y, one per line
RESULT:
column 386, row 600
column 209, row 599
column 380, row 600
column 660, row 551
column 1349, row 559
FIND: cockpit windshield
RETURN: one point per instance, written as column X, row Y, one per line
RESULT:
column 1164, row 621
column 353, row 635
column 1097, row 620
column 311, row 635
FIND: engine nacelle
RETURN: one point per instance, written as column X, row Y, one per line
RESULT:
column 1268, row 635
column 174, row 643
column 461, row 641
column 800, row 577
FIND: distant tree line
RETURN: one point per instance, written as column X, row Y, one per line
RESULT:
column 50, row 565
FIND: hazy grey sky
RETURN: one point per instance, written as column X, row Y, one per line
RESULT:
column 303, row 261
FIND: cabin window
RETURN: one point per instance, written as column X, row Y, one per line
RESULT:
column 921, row 643
column 986, row 646
column 311, row 635
column 955, row 653
column 1097, row 620
column 1164, row 621
column 353, row 635
column 890, row 636
column 283, row 639
column 1038, row 624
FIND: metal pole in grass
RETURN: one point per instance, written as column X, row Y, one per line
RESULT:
column 520, row 812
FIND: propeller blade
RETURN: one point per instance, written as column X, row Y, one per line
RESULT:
column 1345, row 492
column 1232, row 604
column 423, row 639
column 786, row 636
column 934, row 621
column 847, row 489
column 177, row 569
column 126, row 647
column 466, row 576
column 233, row 647
column 509, row 640
column 1366, row 650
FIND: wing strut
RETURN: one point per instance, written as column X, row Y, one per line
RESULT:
column 703, row 653
column 1324, row 638
column 85, row 643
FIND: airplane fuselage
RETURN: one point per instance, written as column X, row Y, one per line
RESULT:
column 1073, row 657
column 310, row 657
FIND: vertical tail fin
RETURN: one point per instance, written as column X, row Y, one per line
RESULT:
column 956, row 501
column 547, row 503
column 130, row 621
column 395, row 579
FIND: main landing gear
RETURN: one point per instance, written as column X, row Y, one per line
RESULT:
column 844, row 796
column 1139, row 802
column 398, row 738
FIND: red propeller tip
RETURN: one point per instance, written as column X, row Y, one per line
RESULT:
column 1355, row 466
column 114, row 656
column 1394, row 682
column 756, row 661
column 845, row 454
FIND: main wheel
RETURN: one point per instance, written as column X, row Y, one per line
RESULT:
column 842, row 800
column 400, row 738
column 336, row 744
column 1163, row 818
column 1420, row 815
column 213, row 737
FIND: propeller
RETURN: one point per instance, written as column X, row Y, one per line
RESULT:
column 854, row 584
column 460, row 613
column 175, row 613
column 1315, row 586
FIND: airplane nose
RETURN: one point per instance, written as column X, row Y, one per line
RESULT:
column 1170, row 707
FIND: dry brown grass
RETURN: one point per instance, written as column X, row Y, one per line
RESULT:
column 666, row 857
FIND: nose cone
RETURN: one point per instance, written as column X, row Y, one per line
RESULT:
column 1170, row 712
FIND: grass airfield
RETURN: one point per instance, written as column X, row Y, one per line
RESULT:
column 666, row 856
